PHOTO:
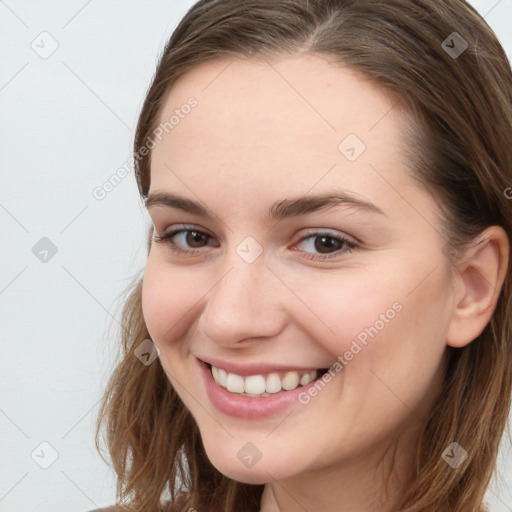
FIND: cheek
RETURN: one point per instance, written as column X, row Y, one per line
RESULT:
column 400, row 367
column 391, row 342
column 351, row 305
column 167, row 297
column 378, row 322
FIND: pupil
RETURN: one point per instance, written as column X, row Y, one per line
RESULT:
column 320, row 247
column 194, row 237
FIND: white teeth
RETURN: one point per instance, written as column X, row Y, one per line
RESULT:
column 290, row 381
column 235, row 383
column 273, row 384
column 307, row 378
column 222, row 377
column 255, row 384
column 259, row 385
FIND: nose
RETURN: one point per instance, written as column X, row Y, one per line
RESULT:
column 246, row 303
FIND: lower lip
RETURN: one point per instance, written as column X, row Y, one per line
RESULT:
column 249, row 407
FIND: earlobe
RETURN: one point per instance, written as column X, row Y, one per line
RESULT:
column 479, row 279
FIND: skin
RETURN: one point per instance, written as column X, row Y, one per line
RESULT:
column 262, row 132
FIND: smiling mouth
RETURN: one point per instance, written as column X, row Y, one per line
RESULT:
column 263, row 385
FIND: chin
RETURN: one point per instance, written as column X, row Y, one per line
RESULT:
column 249, row 477
column 261, row 472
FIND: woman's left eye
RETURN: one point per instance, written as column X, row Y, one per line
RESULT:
column 327, row 242
column 323, row 242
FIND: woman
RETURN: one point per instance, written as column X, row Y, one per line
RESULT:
column 323, row 319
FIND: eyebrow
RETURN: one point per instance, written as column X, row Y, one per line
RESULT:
column 279, row 210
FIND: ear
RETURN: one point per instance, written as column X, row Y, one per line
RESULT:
column 479, row 278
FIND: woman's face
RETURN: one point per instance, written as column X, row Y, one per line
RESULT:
column 268, row 285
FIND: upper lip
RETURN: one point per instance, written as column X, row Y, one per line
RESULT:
column 254, row 368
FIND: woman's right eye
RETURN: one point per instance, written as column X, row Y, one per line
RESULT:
column 192, row 236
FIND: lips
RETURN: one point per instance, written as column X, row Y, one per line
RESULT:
column 251, row 407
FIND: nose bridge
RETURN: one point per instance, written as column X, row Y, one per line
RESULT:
column 242, row 304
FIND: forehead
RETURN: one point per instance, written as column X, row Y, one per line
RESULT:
column 282, row 121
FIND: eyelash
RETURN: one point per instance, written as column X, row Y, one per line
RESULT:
column 349, row 246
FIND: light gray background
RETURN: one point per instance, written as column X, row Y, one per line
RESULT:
column 67, row 124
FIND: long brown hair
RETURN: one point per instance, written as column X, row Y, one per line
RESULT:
column 460, row 151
